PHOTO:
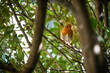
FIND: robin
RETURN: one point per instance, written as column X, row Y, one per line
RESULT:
column 67, row 33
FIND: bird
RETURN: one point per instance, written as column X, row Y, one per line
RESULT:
column 67, row 34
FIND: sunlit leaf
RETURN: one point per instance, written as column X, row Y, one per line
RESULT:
column 50, row 62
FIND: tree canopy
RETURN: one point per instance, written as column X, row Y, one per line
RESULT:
column 30, row 32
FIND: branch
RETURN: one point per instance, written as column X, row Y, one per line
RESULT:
column 37, row 37
column 55, row 13
column 19, row 24
column 66, row 70
column 7, row 67
column 42, row 68
column 53, row 9
column 65, row 3
column 56, row 20
column 48, row 30
column 70, row 47
column 106, row 22
column 23, row 13
column 99, row 11
column 93, row 61
column 55, row 61
column 99, row 28
column 60, row 51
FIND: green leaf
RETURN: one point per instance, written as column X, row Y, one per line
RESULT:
column 108, row 43
column 50, row 12
column 93, row 22
column 6, row 12
column 15, row 39
column 2, row 26
column 21, row 35
column 1, row 53
column 50, row 62
column 12, row 60
column 56, row 24
column 108, row 33
column 20, row 54
column 8, row 30
column 74, row 72
column 48, row 19
column 2, row 40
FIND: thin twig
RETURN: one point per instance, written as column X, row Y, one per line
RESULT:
column 106, row 22
column 53, row 9
column 19, row 24
column 59, row 50
column 56, row 37
column 71, row 48
column 42, row 67
column 95, row 17
column 23, row 13
column 59, row 67
column 65, row 70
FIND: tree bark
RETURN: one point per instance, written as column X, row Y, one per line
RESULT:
column 37, row 37
column 93, row 61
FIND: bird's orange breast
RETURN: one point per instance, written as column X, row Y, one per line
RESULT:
column 67, row 30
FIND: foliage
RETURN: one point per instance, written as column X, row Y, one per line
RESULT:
column 54, row 51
